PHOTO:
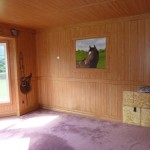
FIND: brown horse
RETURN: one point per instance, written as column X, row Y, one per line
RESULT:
column 91, row 60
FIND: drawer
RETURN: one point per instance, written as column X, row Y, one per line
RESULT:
column 145, row 117
column 135, row 99
column 141, row 100
column 130, row 116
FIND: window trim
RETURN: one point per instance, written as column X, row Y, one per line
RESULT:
column 8, row 72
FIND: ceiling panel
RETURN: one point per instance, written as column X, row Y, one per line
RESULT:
column 50, row 13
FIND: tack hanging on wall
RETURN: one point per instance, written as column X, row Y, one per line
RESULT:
column 25, row 86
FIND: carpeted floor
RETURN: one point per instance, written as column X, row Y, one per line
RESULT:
column 49, row 130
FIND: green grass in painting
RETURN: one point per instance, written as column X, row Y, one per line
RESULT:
column 80, row 55
column 3, row 88
column 102, row 60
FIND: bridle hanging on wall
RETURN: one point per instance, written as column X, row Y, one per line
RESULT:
column 25, row 86
column 25, row 80
column 21, row 64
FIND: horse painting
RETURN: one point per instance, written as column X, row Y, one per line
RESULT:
column 91, row 60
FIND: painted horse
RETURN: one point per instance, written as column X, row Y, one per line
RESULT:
column 91, row 60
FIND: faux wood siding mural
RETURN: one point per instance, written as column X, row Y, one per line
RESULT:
column 95, row 92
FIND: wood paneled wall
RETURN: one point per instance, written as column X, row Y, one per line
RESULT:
column 93, row 92
column 25, row 42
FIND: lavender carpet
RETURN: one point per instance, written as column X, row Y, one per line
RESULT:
column 50, row 130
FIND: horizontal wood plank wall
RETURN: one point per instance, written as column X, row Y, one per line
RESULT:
column 25, row 42
column 96, row 93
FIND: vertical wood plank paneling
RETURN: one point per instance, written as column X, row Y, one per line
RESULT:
column 26, row 44
column 65, row 54
column 42, row 56
column 133, row 41
column 42, row 93
column 147, row 52
column 121, row 51
column 141, row 49
column 134, row 51
column 126, row 52
column 93, row 92
column 113, row 64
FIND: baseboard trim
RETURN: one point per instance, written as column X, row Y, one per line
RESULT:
column 106, row 118
column 8, row 114
column 28, row 110
column 68, row 111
